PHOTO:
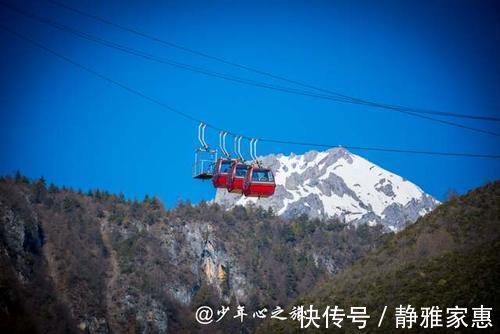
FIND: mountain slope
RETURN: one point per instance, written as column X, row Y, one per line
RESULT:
column 101, row 264
column 337, row 183
column 445, row 259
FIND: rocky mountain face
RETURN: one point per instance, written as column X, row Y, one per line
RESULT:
column 98, row 263
column 337, row 183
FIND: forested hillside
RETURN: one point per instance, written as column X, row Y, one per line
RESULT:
column 447, row 258
column 98, row 263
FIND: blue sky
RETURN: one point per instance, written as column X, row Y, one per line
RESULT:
column 78, row 130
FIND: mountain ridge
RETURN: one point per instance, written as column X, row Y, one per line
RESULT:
column 338, row 183
column 100, row 263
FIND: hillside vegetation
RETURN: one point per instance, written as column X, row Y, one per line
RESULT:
column 100, row 263
column 449, row 257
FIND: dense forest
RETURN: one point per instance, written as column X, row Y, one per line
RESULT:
column 97, row 262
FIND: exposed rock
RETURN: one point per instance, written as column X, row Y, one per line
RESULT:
column 337, row 183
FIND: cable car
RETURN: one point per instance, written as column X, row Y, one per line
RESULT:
column 221, row 169
column 236, row 176
column 259, row 182
column 204, row 157
column 252, row 180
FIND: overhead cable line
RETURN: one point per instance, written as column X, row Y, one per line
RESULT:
column 219, row 75
column 192, row 118
column 348, row 99
column 162, row 60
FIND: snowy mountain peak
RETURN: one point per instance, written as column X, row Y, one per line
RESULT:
column 337, row 183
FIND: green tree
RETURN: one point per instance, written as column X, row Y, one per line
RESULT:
column 39, row 190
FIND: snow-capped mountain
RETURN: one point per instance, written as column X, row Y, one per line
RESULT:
column 337, row 183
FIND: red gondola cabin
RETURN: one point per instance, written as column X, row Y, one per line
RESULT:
column 221, row 169
column 259, row 182
column 236, row 176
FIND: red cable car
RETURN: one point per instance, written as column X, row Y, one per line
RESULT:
column 221, row 169
column 236, row 176
column 259, row 182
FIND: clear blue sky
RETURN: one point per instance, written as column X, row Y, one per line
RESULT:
column 77, row 130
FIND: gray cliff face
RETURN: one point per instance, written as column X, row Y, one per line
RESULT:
column 399, row 216
column 337, row 183
column 193, row 256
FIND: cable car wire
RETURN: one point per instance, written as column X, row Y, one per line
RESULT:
column 192, row 118
column 350, row 99
column 162, row 60
column 224, row 76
